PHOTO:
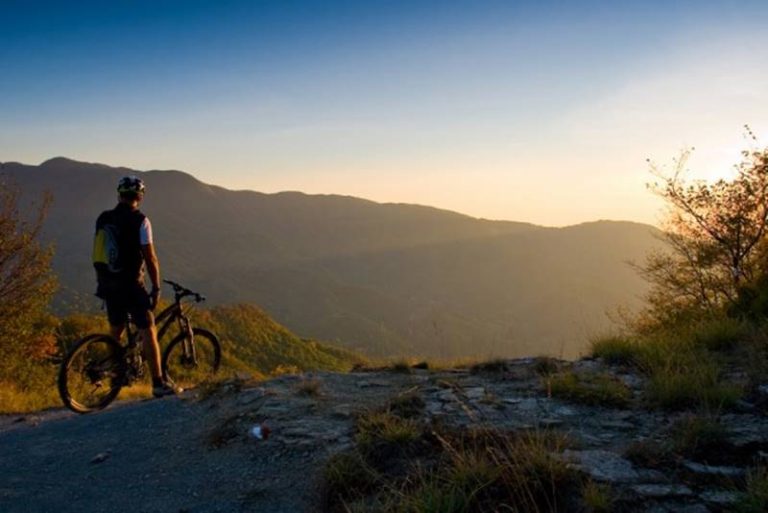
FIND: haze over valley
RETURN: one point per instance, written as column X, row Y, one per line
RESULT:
column 382, row 279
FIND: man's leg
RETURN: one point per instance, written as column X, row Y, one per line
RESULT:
column 116, row 330
column 152, row 351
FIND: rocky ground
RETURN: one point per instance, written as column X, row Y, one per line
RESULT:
column 196, row 454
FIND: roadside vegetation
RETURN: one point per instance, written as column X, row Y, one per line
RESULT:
column 702, row 340
column 707, row 305
column 401, row 463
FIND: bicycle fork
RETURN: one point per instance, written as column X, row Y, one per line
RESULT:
column 189, row 356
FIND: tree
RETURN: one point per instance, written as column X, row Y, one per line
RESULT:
column 26, row 280
column 716, row 235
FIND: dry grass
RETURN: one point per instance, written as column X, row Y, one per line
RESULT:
column 401, row 464
column 13, row 400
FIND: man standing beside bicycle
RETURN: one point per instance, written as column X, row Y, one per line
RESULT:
column 122, row 248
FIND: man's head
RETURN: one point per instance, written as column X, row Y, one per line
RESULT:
column 130, row 189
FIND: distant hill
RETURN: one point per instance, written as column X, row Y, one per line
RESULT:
column 255, row 343
column 384, row 279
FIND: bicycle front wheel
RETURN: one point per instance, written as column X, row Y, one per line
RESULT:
column 92, row 374
column 189, row 361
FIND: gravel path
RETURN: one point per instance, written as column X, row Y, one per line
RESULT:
column 195, row 455
column 182, row 454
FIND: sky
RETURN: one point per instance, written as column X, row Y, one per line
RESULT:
column 541, row 111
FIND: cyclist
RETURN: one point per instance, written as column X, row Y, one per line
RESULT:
column 122, row 248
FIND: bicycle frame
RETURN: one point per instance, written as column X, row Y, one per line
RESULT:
column 167, row 316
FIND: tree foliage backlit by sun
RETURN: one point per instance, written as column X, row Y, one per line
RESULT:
column 716, row 235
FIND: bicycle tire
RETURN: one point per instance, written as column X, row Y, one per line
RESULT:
column 98, row 350
column 186, row 374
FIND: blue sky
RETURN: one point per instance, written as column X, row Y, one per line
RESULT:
column 532, row 111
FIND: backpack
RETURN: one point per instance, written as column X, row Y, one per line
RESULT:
column 116, row 257
column 106, row 250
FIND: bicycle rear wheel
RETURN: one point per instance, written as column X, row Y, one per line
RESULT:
column 191, row 361
column 92, row 374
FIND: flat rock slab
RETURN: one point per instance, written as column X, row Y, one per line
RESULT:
column 711, row 470
column 720, row 497
column 662, row 490
column 605, row 466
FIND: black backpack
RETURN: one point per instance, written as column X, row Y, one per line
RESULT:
column 116, row 249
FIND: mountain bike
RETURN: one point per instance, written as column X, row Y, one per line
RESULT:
column 98, row 366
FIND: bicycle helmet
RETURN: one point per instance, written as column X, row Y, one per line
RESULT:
column 130, row 184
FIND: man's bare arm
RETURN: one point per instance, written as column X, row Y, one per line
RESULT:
column 153, row 265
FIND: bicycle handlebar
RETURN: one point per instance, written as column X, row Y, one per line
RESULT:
column 182, row 291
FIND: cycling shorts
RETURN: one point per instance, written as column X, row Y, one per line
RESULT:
column 130, row 300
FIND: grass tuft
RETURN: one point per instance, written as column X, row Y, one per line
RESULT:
column 649, row 454
column 615, row 350
column 385, row 429
column 597, row 497
column 755, row 498
column 720, row 334
column 400, row 366
column 591, row 389
column 407, row 406
column 697, row 386
column 545, row 365
column 346, row 476
column 493, row 366
column 696, row 435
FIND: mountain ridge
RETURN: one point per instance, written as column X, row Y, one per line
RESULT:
column 382, row 278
